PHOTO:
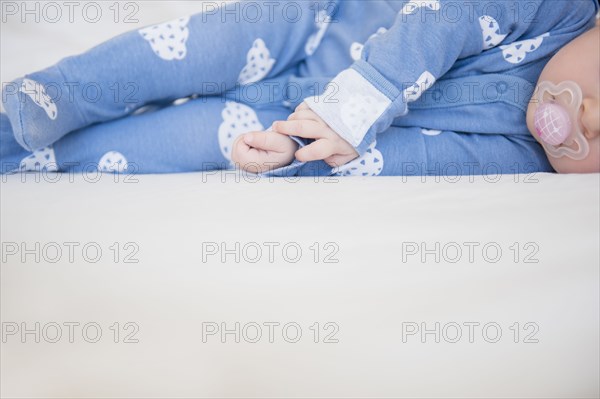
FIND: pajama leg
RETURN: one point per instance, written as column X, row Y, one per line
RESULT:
column 11, row 153
column 403, row 151
column 204, row 54
column 195, row 136
column 423, row 152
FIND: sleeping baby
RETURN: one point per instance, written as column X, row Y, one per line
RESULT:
column 564, row 116
column 340, row 87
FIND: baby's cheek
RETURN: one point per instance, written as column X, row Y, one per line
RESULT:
column 530, row 121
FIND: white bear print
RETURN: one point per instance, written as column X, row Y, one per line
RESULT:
column 323, row 21
column 425, row 81
column 411, row 7
column 431, row 132
column 38, row 95
column 112, row 162
column 259, row 64
column 516, row 52
column 359, row 112
column 491, row 32
column 356, row 49
column 237, row 120
column 39, row 160
column 370, row 164
column 168, row 39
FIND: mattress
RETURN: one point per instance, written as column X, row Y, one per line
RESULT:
column 217, row 285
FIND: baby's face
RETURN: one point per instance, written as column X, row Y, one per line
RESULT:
column 579, row 62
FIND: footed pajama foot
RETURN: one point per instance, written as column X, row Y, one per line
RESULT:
column 13, row 158
column 41, row 109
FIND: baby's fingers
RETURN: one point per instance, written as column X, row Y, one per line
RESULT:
column 316, row 151
column 305, row 114
column 302, row 106
column 303, row 128
column 258, row 161
column 267, row 141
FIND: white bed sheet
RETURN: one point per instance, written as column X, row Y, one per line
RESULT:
column 369, row 294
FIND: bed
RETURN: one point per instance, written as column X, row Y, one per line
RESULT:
column 223, row 285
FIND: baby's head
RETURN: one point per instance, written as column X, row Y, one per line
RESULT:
column 564, row 114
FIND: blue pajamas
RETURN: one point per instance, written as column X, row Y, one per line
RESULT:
column 169, row 140
column 241, row 74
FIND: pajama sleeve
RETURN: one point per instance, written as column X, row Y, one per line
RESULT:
column 426, row 40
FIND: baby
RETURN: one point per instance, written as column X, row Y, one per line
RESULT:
column 568, row 91
column 571, row 80
column 373, row 88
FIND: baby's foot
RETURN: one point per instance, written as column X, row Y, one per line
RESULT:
column 260, row 152
column 41, row 108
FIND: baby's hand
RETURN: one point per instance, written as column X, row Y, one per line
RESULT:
column 260, row 152
column 328, row 145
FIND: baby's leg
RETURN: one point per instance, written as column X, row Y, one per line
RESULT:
column 195, row 136
column 402, row 151
column 420, row 152
column 205, row 54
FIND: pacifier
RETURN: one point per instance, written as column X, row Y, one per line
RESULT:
column 556, row 120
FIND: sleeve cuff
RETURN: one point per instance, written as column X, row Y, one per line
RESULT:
column 358, row 104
